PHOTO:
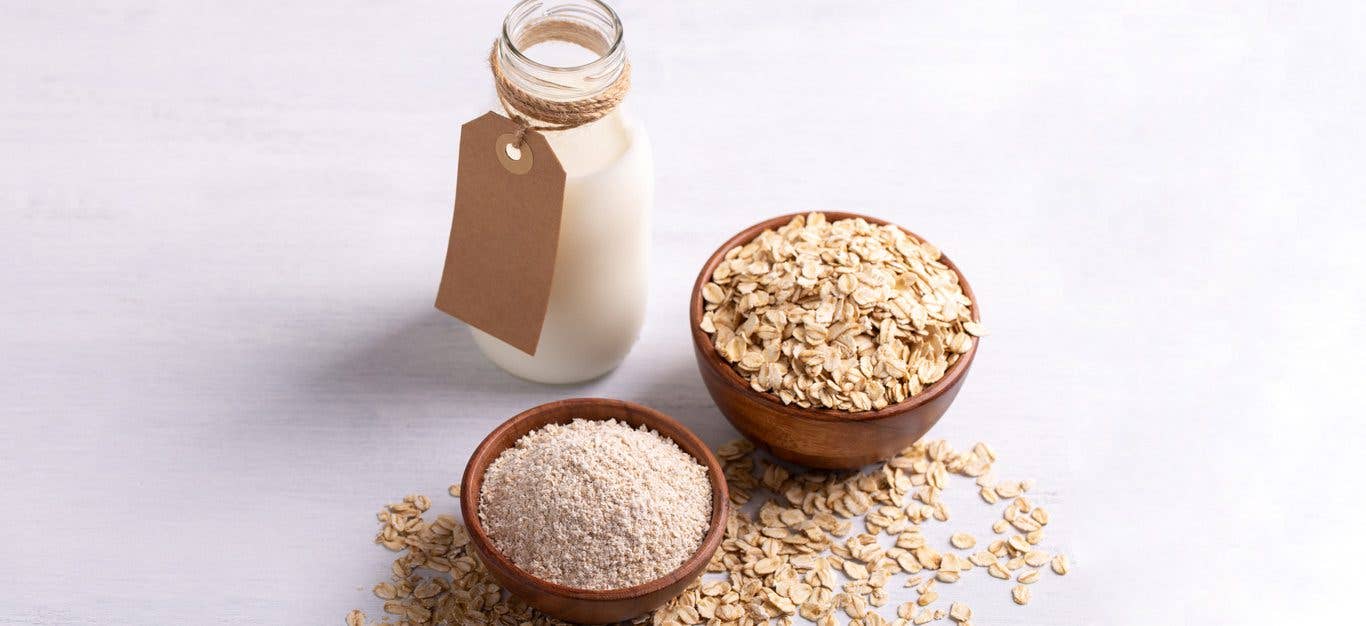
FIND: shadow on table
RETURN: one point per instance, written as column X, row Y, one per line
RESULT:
column 427, row 356
column 672, row 385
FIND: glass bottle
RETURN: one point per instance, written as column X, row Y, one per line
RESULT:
column 599, row 289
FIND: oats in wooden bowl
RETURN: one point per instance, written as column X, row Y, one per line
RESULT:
column 808, row 319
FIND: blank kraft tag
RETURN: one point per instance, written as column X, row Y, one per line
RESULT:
column 501, row 256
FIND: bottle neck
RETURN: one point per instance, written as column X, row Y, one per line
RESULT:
column 589, row 25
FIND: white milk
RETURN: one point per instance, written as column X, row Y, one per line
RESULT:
column 597, row 297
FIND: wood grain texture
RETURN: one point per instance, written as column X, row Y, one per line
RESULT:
column 586, row 606
column 816, row 437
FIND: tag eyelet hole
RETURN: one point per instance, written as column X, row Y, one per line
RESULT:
column 516, row 158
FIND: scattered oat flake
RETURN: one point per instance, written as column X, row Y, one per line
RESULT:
column 982, row 558
column 782, row 556
column 962, row 541
column 385, row 591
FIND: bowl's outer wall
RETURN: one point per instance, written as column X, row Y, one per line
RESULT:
column 580, row 611
column 579, row 606
column 818, row 443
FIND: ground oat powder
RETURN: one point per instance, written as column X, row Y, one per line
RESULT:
column 596, row 504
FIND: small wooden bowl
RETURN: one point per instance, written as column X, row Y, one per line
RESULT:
column 820, row 438
column 586, row 606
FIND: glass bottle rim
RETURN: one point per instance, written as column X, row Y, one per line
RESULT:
column 521, row 7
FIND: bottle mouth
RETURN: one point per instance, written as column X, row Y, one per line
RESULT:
column 587, row 23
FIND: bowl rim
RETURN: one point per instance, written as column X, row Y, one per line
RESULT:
column 729, row 377
column 690, row 443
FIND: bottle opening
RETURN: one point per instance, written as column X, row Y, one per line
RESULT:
column 561, row 50
column 560, row 54
column 566, row 35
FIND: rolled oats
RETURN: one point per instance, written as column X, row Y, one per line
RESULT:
column 791, row 553
column 385, row 591
column 844, row 315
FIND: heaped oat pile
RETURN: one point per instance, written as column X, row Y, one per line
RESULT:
column 791, row 555
column 596, row 504
column 846, row 315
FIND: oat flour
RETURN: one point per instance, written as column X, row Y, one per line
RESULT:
column 596, row 504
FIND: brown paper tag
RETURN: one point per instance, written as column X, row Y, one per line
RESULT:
column 501, row 255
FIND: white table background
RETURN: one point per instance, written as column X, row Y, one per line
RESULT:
column 222, row 224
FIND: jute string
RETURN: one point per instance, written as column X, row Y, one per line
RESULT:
column 557, row 114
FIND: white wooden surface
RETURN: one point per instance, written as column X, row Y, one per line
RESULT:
column 221, row 225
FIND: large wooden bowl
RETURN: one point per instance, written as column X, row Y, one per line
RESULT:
column 586, row 606
column 819, row 437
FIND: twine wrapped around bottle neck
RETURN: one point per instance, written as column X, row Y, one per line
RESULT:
column 557, row 114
